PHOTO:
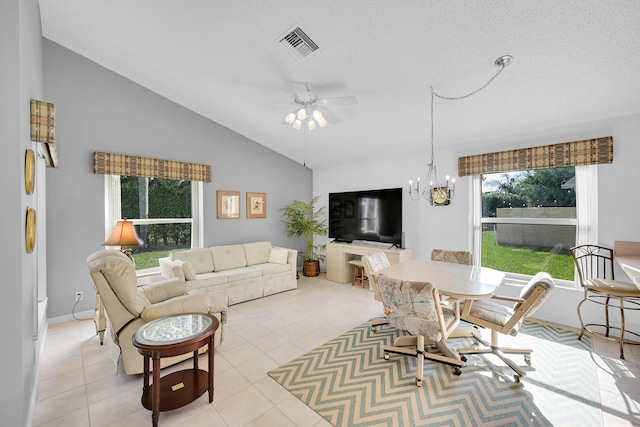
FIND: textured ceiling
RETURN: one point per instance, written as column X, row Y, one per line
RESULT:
column 574, row 61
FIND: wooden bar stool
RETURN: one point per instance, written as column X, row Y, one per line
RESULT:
column 358, row 272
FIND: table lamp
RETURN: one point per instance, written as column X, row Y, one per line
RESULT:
column 124, row 234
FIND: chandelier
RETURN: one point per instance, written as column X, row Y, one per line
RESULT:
column 313, row 117
column 438, row 193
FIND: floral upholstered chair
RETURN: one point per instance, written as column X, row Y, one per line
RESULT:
column 415, row 308
column 372, row 265
column 506, row 319
column 456, row 257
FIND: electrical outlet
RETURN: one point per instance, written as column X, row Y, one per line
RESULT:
column 79, row 296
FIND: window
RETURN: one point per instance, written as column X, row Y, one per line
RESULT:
column 166, row 213
column 530, row 219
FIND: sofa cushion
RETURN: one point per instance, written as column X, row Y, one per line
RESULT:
column 205, row 280
column 200, row 259
column 188, row 270
column 257, row 252
column 242, row 273
column 278, row 255
column 271, row 268
column 228, row 257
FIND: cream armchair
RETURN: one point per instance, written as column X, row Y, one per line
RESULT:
column 129, row 306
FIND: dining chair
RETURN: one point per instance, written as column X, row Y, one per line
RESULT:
column 594, row 265
column 493, row 314
column 456, row 257
column 372, row 264
column 415, row 307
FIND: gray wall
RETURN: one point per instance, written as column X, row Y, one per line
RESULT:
column 98, row 110
column 20, row 80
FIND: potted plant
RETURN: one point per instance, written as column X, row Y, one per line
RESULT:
column 303, row 220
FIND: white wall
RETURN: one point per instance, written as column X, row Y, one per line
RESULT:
column 447, row 227
column 20, row 80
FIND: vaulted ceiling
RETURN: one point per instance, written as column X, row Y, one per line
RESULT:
column 574, row 61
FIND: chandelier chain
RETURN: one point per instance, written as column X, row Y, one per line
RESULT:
column 436, row 193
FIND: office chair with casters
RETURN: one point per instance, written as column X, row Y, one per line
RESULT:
column 372, row 264
column 499, row 318
column 415, row 308
column 595, row 272
column 456, row 257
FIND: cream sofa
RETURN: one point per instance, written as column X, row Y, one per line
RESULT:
column 234, row 273
column 128, row 306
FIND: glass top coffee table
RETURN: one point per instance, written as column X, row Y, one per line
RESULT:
column 173, row 336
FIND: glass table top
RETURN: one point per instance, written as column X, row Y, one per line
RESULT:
column 175, row 328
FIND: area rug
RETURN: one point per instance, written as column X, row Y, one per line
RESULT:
column 348, row 383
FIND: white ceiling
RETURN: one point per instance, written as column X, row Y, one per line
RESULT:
column 574, row 61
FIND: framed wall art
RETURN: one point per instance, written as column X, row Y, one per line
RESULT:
column 256, row 205
column 228, row 204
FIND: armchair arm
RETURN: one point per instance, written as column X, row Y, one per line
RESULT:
column 164, row 290
column 197, row 303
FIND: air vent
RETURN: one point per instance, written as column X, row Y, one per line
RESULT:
column 298, row 43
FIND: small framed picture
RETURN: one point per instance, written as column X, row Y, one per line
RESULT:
column 228, row 204
column 256, row 205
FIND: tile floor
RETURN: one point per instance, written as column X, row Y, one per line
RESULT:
column 78, row 386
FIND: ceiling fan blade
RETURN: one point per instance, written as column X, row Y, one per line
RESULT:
column 341, row 100
column 329, row 116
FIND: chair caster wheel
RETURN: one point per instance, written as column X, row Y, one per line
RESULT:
column 418, row 383
column 463, row 358
column 457, row 371
column 386, row 357
column 527, row 359
column 373, row 329
column 517, row 378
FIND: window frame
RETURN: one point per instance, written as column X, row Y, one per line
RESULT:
column 586, row 221
column 113, row 209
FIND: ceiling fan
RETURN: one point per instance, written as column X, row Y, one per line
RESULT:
column 310, row 109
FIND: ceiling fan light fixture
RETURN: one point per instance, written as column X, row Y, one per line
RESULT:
column 317, row 115
column 311, row 125
column 302, row 114
column 290, row 118
column 297, row 124
column 322, row 122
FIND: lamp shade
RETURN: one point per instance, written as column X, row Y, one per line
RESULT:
column 124, row 234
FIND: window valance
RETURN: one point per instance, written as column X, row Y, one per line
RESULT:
column 122, row 164
column 574, row 153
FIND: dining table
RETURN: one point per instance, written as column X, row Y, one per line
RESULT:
column 452, row 280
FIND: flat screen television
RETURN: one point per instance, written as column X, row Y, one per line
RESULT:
column 372, row 215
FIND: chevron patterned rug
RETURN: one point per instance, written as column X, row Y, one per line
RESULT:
column 348, row 382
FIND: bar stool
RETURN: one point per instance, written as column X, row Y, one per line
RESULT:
column 358, row 272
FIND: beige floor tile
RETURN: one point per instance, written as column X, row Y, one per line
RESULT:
column 243, row 407
column 77, row 418
column 272, row 417
column 298, row 412
column 78, row 385
column 60, row 405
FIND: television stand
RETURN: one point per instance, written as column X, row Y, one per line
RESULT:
column 339, row 254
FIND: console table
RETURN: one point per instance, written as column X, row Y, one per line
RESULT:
column 339, row 254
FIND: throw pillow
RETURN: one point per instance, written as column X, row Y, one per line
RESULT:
column 278, row 255
column 189, row 271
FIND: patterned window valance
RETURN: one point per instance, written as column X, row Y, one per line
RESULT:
column 121, row 164
column 574, row 153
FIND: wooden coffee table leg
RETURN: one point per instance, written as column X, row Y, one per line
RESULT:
column 211, row 341
column 155, row 398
